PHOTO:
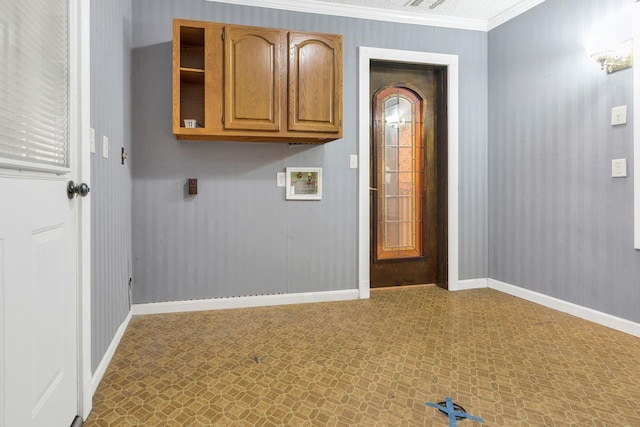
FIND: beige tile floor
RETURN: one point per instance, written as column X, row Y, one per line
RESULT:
column 374, row 362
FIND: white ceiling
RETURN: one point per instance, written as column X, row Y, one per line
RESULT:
column 468, row 9
column 480, row 15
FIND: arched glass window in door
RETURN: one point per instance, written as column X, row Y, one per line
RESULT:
column 399, row 173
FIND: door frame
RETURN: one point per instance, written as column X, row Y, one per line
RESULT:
column 366, row 55
column 636, row 124
column 79, row 112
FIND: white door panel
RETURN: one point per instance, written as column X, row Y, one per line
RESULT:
column 38, row 302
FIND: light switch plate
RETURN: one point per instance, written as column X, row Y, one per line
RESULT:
column 280, row 179
column 105, row 147
column 92, row 140
column 353, row 161
column 619, row 168
column 619, row 115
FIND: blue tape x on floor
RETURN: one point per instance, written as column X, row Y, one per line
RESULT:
column 453, row 411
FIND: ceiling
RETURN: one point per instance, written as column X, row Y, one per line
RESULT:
column 482, row 15
column 467, row 9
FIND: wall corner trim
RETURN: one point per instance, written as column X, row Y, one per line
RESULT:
column 108, row 355
column 244, row 302
column 604, row 319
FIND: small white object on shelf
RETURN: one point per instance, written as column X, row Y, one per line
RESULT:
column 190, row 123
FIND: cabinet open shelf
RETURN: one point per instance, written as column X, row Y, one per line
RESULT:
column 191, row 75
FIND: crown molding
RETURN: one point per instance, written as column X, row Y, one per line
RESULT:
column 512, row 12
column 349, row 11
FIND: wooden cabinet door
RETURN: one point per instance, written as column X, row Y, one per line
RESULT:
column 252, row 78
column 315, row 82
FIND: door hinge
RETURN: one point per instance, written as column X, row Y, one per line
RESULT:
column 222, row 35
column 222, row 119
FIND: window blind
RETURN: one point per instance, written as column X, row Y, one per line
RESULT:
column 34, row 84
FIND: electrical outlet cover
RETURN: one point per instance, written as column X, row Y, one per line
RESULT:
column 619, row 168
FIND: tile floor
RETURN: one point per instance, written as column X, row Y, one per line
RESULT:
column 372, row 363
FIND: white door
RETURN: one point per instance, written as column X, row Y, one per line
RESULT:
column 37, row 266
column 38, row 222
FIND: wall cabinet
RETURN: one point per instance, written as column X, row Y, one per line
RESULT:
column 240, row 83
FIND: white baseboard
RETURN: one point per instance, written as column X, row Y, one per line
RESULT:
column 463, row 285
column 108, row 355
column 244, row 302
column 589, row 314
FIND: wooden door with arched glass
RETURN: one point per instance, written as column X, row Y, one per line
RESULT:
column 404, row 174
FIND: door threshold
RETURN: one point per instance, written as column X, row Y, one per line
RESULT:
column 389, row 288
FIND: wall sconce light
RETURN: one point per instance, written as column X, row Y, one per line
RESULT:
column 616, row 59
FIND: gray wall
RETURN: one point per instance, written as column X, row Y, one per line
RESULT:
column 110, row 181
column 558, row 223
column 239, row 236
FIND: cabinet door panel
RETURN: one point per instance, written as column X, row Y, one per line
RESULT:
column 315, row 82
column 252, row 78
